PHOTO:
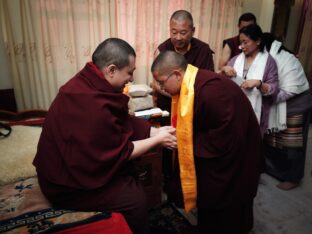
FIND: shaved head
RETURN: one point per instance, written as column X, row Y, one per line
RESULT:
column 113, row 51
column 183, row 15
column 167, row 61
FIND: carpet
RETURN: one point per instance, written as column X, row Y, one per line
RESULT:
column 166, row 219
column 17, row 153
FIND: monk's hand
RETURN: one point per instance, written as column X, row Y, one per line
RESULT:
column 167, row 137
column 154, row 131
column 249, row 84
column 170, row 129
column 228, row 71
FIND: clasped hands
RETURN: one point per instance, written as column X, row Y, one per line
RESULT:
column 167, row 136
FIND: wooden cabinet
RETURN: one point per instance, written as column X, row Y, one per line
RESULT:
column 149, row 170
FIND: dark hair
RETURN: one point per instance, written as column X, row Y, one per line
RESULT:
column 168, row 60
column 254, row 32
column 268, row 39
column 183, row 15
column 112, row 51
column 247, row 17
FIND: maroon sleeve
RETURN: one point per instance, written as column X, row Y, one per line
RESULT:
column 202, row 57
column 142, row 128
column 210, row 64
column 85, row 141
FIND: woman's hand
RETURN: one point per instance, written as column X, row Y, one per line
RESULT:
column 249, row 84
column 228, row 71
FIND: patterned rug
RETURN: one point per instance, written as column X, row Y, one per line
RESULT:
column 166, row 219
column 23, row 209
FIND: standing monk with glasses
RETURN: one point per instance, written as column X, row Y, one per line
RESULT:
column 219, row 145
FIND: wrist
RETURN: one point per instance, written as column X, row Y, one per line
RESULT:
column 153, row 131
column 260, row 85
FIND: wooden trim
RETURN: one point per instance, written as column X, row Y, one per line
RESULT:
column 23, row 115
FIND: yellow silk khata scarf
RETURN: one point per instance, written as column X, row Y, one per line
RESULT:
column 182, row 108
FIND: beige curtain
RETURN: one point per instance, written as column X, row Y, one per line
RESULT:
column 214, row 21
column 49, row 41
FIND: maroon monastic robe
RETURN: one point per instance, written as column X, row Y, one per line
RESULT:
column 227, row 147
column 88, row 133
column 83, row 153
column 233, row 43
column 200, row 54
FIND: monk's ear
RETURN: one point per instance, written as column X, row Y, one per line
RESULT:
column 111, row 69
column 178, row 75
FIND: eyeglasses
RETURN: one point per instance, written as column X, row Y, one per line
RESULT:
column 161, row 83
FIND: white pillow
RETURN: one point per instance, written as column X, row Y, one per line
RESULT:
column 17, row 152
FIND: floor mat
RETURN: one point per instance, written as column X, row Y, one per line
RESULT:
column 166, row 219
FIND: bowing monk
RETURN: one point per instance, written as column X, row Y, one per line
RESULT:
column 195, row 51
column 219, row 145
column 89, row 141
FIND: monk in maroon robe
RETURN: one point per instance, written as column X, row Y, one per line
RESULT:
column 195, row 51
column 231, row 46
column 84, row 158
column 233, row 43
column 226, row 144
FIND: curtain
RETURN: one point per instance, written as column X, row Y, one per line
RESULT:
column 48, row 41
column 305, row 49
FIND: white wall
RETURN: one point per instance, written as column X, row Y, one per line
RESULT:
column 5, row 75
column 262, row 9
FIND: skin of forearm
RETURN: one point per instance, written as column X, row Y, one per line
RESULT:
column 153, row 131
column 142, row 146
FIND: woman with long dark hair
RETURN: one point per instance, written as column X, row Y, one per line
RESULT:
column 256, row 73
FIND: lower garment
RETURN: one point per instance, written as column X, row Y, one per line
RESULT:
column 285, row 151
column 125, row 195
column 167, row 167
column 167, row 158
column 235, row 218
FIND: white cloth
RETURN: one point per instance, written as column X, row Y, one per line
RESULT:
column 292, row 79
column 255, row 72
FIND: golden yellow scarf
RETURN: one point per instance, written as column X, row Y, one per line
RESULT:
column 182, row 109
